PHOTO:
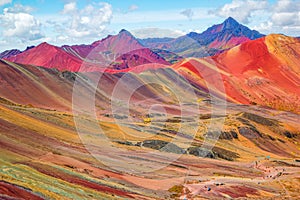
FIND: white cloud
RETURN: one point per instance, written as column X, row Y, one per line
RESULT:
column 133, row 8
column 156, row 33
column 284, row 17
column 3, row 2
column 188, row 13
column 286, row 13
column 264, row 26
column 287, row 6
column 241, row 10
column 17, row 22
column 19, row 8
column 89, row 21
column 69, row 8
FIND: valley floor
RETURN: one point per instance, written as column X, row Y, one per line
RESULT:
column 43, row 157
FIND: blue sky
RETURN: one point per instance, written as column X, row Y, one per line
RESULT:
column 30, row 22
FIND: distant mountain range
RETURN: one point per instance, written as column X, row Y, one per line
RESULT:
column 123, row 50
column 212, row 41
column 9, row 53
column 13, row 52
column 113, row 52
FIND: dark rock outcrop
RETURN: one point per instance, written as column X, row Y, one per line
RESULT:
column 260, row 120
column 200, row 152
column 223, row 135
column 249, row 132
column 163, row 146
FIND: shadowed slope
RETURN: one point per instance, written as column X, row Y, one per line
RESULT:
column 49, row 88
column 9, row 53
column 40, row 87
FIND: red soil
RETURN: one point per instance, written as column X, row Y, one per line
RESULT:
column 9, row 191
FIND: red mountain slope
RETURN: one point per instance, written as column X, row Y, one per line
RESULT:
column 265, row 71
column 48, row 56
